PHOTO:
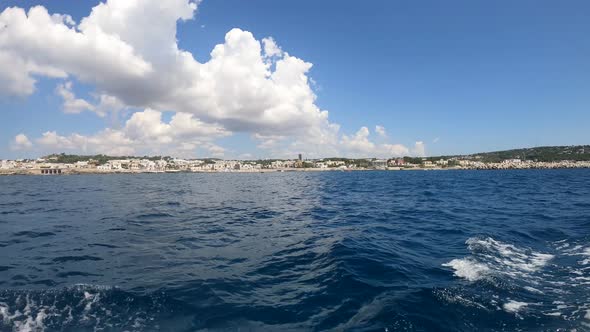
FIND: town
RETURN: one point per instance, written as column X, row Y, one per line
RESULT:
column 65, row 164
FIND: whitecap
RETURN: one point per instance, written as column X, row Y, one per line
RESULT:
column 468, row 269
column 507, row 257
column 524, row 281
column 79, row 307
column 495, row 258
column 533, row 290
column 514, row 306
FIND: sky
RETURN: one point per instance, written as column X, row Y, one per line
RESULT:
column 264, row 78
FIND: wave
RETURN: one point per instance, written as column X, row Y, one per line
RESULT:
column 493, row 258
column 88, row 308
column 468, row 268
column 524, row 282
column 514, row 306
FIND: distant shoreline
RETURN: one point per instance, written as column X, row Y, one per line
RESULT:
column 36, row 172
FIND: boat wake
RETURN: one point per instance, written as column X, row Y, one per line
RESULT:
column 551, row 286
column 86, row 308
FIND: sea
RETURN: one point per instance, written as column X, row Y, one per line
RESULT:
column 456, row 250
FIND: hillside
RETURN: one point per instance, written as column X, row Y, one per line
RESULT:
column 542, row 153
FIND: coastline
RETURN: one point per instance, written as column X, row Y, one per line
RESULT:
column 37, row 172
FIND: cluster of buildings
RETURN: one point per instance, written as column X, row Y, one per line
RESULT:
column 523, row 164
column 138, row 165
column 470, row 163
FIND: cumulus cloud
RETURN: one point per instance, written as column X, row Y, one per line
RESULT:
column 48, row 45
column 21, row 142
column 359, row 145
column 147, row 126
column 102, row 105
column 380, row 130
column 358, row 142
column 16, row 73
column 108, row 141
column 108, row 105
column 419, row 149
column 215, row 150
column 71, row 104
column 394, row 150
column 144, row 132
column 128, row 51
column 271, row 48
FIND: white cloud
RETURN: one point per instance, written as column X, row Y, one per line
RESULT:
column 144, row 132
column 108, row 104
column 38, row 43
column 71, row 104
column 271, row 48
column 269, row 141
column 215, row 150
column 419, row 149
column 359, row 142
column 16, row 73
column 21, row 142
column 359, row 145
column 52, row 139
column 103, row 104
column 395, row 150
column 436, row 140
column 128, row 51
column 380, row 130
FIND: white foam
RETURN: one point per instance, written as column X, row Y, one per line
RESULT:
column 33, row 324
column 492, row 257
column 514, row 306
column 468, row 269
column 510, row 266
column 32, row 311
column 27, row 321
column 577, row 250
column 542, row 274
column 533, row 290
column 540, row 260
column 577, row 247
column 586, row 253
column 510, row 258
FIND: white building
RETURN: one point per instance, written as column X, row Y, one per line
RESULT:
column 335, row 163
column 320, row 165
column 7, row 164
column 81, row 164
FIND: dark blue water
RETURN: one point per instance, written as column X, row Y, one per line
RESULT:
column 364, row 251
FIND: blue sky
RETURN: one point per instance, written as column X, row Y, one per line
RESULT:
column 460, row 76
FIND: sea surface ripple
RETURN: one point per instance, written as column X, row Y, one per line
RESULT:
column 294, row 251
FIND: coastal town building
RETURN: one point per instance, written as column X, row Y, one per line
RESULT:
column 51, row 166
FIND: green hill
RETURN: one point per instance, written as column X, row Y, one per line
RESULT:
column 542, row 153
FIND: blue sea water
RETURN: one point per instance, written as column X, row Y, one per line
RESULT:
column 326, row 251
